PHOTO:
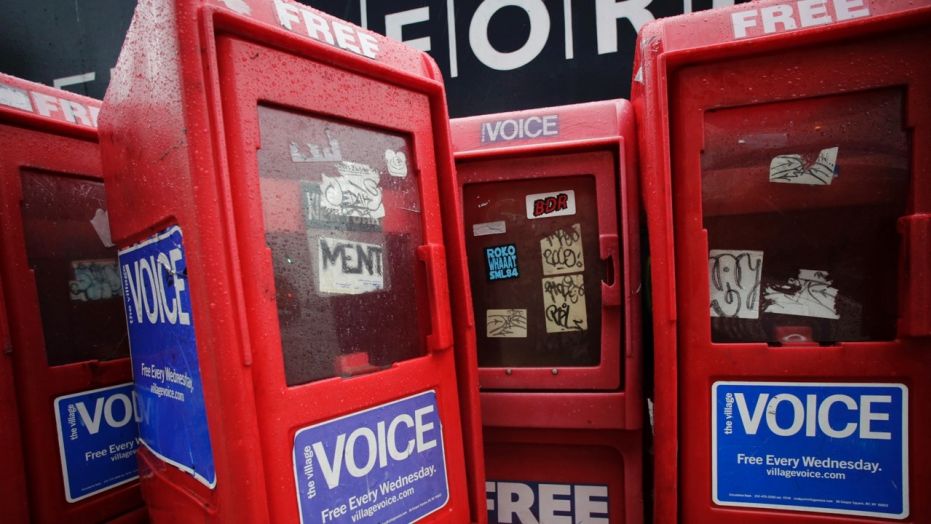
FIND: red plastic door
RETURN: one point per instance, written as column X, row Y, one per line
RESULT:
column 336, row 204
column 66, row 323
column 802, row 379
column 552, row 322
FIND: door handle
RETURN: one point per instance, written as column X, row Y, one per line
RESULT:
column 441, row 330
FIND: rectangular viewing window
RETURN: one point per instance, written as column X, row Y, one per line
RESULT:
column 536, row 272
column 343, row 220
column 75, row 266
column 800, row 200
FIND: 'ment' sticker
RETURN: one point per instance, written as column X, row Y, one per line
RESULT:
column 347, row 267
column 547, row 205
column 384, row 464
column 501, row 262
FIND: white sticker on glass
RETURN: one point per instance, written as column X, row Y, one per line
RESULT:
column 347, row 267
column 506, row 323
column 561, row 251
column 489, row 228
column 356, row 192
column 809, row 295
column 315, row 153
column 547, row 205
column 101, row 223
column 797, row 169
column 564, row 303
column 95, row 280
column 735, row 282
column 397, row 163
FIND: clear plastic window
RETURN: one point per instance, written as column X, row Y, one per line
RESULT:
column 343, row 221
column 800, row 200
column 75, row 267
column 535, row 270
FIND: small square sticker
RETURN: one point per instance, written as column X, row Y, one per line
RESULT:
column 501, row 262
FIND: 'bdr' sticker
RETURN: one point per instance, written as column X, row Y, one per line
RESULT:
column 546, row 205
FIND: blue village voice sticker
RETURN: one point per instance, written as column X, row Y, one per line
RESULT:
column 172, row 415
column 97, row 440
column 501, row 262
column 383, row 464
column 822, row 447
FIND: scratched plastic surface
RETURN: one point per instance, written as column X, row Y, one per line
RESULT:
column 550, row 314
column 800, row 200
column 76, row 275
column 343, row 220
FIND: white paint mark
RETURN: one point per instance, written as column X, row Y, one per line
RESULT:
column 506, row 323
column 797, row 169
column 397, row 163
column 451, row 25
column 65, row 81
column 567, row 31
column 809, row 295
column 489, row 228
column 395, row 22
column 735, row 282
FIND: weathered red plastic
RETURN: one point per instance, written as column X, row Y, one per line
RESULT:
column 51, row 132
column 532, row 414
column 180, row 131
column 686, row 68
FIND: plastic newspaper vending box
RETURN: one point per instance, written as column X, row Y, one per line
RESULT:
column 276, row 178
column 788, row 194
column 549, row 198
column 69, row 437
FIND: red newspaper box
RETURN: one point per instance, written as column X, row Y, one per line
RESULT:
column 788, row 195
column 549, row 200
column 69, row 438
column 276, row 178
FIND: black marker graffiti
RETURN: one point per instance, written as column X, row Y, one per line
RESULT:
column 565, row 289
column 509, row 323
column 562, row 251
column 353, row 196
column 797, row 169
column 735, row 283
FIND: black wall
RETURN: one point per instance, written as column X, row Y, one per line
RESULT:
column 44, row 40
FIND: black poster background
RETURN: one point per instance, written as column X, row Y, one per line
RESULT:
column 45, row 40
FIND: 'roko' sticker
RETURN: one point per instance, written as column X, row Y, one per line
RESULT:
column 501, row 262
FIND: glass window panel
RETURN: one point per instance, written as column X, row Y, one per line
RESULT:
column 75, row 266
column 343, row 220
column 800, row 200
column 536, row 282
